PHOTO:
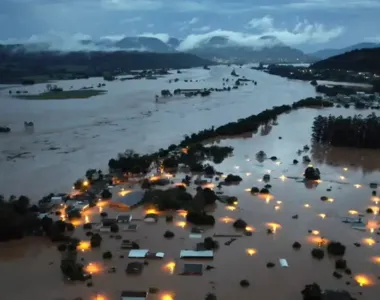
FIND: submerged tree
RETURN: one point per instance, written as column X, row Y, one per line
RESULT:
column 353, row 131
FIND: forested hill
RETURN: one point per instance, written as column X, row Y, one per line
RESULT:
column 16, row 64
column 363, row 60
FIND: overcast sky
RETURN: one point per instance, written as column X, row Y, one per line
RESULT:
column 305, row 24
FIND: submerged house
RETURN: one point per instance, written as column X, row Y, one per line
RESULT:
column 133, row 295
column 130, row 200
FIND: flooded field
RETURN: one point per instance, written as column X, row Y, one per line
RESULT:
column 345, row 178
column 71, row 136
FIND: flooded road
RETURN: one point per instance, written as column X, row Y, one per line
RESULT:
column 72, row 136
column 345, row 181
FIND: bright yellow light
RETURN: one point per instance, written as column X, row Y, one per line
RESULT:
column 209, row 185
column 93, row 268
column 310, row 166
column 273, row 226
column 151, row 211
column 100, row 209
column 307, row 205
column 278, row 163
column 124, row 192
column 247, row 190
column 358, row 186
column 283, row 177
column 375, row 199
column 375, row 259
column 180, row 184
column 345, row 169
column 375, row 210
column 363, row 280
column 278, row 202
column 315, row 232
column 259, row 180
column 342, row 177
column 76, row 222
column 224, row 176
column 353, row 212
column 231, row 208
column 322, row 216
column 170, row 267
column 85, row 183
column 154, row 178
column 181, row 224
column 87, row 219
column 249, row 228
column 330, row 199
column 227, row 220
column 247, row 174
column 318, row 181
column 63, row 217
column 100, row 297
column 235, row 203
column 277, row 207
column 369, row 241
column 182, row 213
column 167, row 297
column 84, row 246
column 269, row 171
column 372, row 225
column 317, row 240
column 251, row 251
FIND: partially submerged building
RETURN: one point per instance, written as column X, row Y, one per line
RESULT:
column 133, row 295
column 128, row 201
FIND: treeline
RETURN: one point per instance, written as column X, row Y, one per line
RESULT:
column 16, row 65
column 356, row 131
column 191, row 151
column 363, row 60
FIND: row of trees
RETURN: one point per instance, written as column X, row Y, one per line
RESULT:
column 196, row 152
column 353, row 131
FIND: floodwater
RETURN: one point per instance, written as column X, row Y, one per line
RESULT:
column 72, row 136
column 232, row 263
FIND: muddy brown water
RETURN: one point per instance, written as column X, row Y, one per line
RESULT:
column 26, row 263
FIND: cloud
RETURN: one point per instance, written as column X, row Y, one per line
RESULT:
column 56, row 40
column 373, row 39
column 113, row 38
column 131, row 20
column 303, row 33
column 150, row 25
column 264, row 23
column 193, row 21
column 164, row 37
column 325, row 4
column 202, row 29
column 132, row 5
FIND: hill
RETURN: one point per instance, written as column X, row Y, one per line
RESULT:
column 17, row 64
column 268, row 50
column 364, row 60
column 326, row 53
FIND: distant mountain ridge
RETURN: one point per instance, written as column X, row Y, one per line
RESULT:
column 269, row 49
column 363, row 60
column 326, row 53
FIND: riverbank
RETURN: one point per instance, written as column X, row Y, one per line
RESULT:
column 71, row 137
column 246, row 257
column 63, row 95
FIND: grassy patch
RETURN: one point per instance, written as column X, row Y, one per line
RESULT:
column 74, row 94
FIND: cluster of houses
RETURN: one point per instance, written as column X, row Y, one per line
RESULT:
column 360, row 96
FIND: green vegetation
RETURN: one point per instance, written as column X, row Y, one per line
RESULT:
column 60, row 95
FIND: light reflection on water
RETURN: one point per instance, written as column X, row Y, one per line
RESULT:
column 88, row 132
column 232, row 262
